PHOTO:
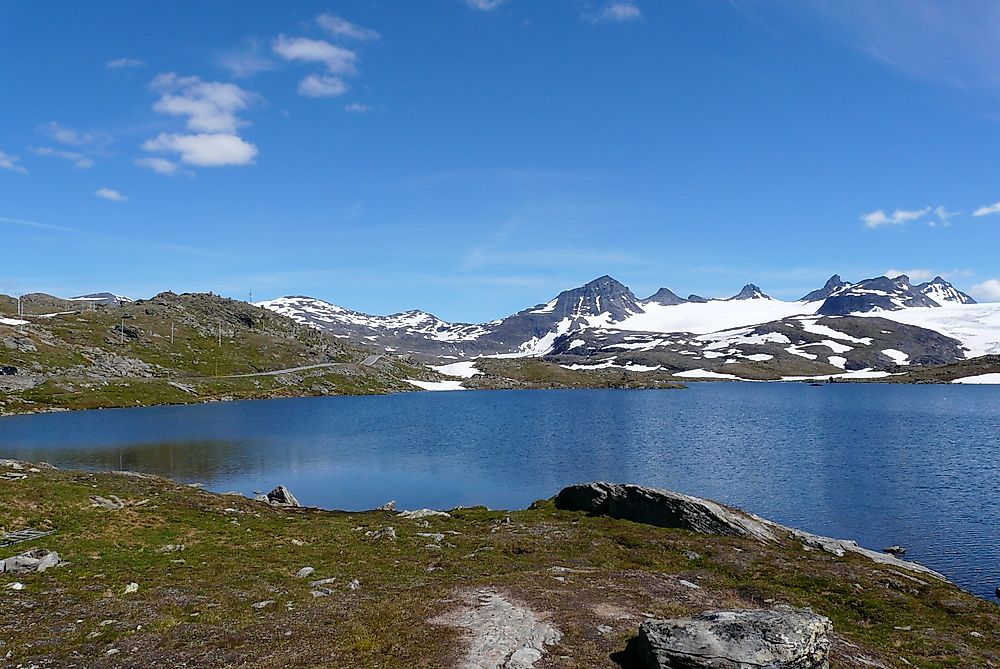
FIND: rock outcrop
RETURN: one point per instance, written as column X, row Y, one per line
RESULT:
column 282, row 496
column 663, row 508
column 37, row 560
column 781, row 638
column 502, row 634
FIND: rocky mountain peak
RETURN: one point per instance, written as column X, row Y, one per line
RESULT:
column 602, row 295
column 750, row 292
column 832, row 285
column 666, row 297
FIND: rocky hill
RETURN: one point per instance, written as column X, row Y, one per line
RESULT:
column 173, row 349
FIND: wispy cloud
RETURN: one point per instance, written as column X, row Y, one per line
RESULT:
column 77, row 159
column 211, row 109
column 357, row 108
column 617, row 11
column 337, row 26
column 879, row 218
column 159, row 165
column 944, row 217
column 484, row 5
column 947, row 42
column 987, row 210
column 10, row 162
column 123, row 63
column 322, row 86
column 36, row 224
column 246, row 61
column 73, row 137
column 110, row 194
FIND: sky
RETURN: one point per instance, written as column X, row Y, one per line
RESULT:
column 474, row 157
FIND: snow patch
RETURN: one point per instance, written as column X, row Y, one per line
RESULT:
column 705, row 374
column 898, row 357
column 462, row 370
column 980, row 379
column 436, row 385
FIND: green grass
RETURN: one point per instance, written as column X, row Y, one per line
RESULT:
column 199, row 611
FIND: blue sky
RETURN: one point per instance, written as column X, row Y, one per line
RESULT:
column 472, row 157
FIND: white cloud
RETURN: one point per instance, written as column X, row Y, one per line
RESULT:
column 9, row 162
column 357, row 108
column 210, row 106
column 879, row 218
column 79, row 160
column 121, row 63
column 322, row 86
column 245, row 63
column 987, row 210
column 620, row 11
column 943, row 217
column 337, row 60
column 918, row 275
column 205, row 149
column 987, row 291
column 159, row 165
column 340, row 27
column 110, row 194
column 484, row 5
column 65, row 135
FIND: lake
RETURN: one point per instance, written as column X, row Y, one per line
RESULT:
column 915, row 465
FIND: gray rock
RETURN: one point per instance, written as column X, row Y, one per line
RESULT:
column 111, row 502
column 423, row 513
column 304, row 572
column 502, row 634
column 385, row 533
column 663, row 508
column 781, row 638
column 282, row 496
column 36, row 560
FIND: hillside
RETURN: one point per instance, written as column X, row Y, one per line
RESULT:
column 175, row 349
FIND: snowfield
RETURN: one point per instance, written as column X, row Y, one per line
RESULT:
column 462, row 370
column 436, row 385
column 980, row 379
column 708, row 317
column 13, row 322
column 977, row 326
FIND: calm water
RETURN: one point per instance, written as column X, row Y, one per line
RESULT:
column 913, row 465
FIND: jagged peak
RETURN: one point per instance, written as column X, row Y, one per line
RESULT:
column 666, row 297
column 750, row 292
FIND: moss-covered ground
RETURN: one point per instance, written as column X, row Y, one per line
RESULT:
column 193, row 607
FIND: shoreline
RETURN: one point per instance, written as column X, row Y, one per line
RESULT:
column 156, row 573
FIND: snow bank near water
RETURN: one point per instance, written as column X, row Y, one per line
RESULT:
column 436, row 385
column 462, row 370
column 980, row 379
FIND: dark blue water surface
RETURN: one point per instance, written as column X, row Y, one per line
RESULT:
column 885, row 464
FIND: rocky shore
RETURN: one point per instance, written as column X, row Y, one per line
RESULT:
column 127, row 570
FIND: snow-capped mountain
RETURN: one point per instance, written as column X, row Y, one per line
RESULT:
column 602, row 322
column 885, row 294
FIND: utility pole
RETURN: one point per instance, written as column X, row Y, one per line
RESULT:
column 220, row 333
column 251, row 296
column 20, row 310
column 122, row 333
column 171, row 333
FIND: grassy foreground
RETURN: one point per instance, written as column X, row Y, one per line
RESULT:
column 193, row 607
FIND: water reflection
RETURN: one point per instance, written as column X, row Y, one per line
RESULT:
column 883, row 464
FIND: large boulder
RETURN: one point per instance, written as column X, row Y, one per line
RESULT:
column 36, row 560
column 282, row 496
column 780, row 638
column 663, row 508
